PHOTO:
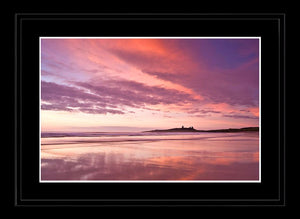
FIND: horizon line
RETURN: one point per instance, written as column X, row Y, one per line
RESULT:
column 163, row 129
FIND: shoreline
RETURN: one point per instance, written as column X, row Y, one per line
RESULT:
column 173, row 130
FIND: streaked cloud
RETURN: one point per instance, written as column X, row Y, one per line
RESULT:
column 173, row 78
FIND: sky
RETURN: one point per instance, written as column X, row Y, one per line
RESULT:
column 139, row 84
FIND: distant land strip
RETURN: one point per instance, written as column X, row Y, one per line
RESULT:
column 191, row 129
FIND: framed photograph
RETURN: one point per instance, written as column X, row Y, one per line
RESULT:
column 150, row 109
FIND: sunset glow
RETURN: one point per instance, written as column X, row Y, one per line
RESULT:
column 138, row 84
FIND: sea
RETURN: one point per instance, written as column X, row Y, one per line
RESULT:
column 149, row 157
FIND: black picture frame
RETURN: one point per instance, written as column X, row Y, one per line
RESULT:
column 30, row 26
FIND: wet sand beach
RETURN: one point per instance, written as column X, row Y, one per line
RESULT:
column 149, row 156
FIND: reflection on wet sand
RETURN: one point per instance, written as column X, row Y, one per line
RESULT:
column 233, row 157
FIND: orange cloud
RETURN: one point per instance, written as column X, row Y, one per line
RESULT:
column 254, row 111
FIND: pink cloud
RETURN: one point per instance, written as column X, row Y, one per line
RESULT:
column 196, row 77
